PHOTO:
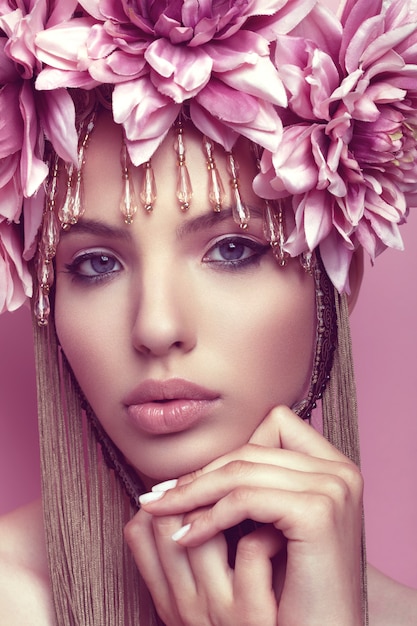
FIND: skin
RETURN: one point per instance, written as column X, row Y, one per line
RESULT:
column 179, row 303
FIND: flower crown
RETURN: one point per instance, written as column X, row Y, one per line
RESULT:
column 331, row 101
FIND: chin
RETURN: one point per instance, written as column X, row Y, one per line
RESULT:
column 157, row 467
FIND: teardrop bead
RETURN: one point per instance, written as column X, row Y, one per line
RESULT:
column 240, row 211
column 270, row 225
column 184, row 188
column 64, row 211
column 50, row 234
column 148, row 191
column 42, row 308
column 46, row 274
column 128, row 202
column 76, row 206
column 274, row 231
column 217, row 193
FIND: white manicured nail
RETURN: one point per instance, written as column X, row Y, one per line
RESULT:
column 181, row 532
column 166, row 485
column 152, row 496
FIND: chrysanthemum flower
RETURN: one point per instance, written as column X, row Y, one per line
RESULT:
column 27, row 118
column 347, row 162
column 158, row 55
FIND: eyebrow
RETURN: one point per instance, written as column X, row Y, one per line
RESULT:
column 191, row 225
column 96, row 227
column 210, row 219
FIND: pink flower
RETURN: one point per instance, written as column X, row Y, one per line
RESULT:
column 15, row 279
column 161, row 54
column 348, row 155
column 27, row 119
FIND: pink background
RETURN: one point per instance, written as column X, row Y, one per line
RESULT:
column 385, row 340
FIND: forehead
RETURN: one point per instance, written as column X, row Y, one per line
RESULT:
column 102, row 171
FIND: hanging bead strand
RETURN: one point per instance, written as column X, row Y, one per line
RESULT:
column 56, row 218
column 274, row 231
column 148, row 190
column 184, row 189
column 46, row 251
column 240, row 210
column 65, row 210
column 273, row 226
column 73, row 207
column 78, row 206
column 216, row 189
column 128, row 201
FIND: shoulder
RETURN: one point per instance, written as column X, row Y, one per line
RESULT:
column 390, row 603
column 24, row 580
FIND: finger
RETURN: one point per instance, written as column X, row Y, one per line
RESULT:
column 284, row 470
column 140, row 539
column 200, row 577
column 301, row 516
column 254, row 577
column 173, row 557
column 282, row 428
column 210, row 567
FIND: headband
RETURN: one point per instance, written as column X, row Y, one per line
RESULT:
column 330, row 101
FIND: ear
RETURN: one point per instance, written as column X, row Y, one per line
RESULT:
column 355, row 277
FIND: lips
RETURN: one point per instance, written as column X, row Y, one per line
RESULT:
column 163, row 407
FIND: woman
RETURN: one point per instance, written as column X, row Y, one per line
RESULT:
column 186, row 331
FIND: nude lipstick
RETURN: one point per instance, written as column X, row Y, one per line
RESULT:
column 163, row 407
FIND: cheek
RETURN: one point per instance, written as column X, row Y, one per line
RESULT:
column 89, row 341
column 289, row 352
column 282, row 348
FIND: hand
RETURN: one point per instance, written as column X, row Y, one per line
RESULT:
column 301, row 568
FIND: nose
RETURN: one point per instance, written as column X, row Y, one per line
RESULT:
column 164, row 317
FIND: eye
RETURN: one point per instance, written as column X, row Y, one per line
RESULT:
column 92, row 266
column 235, row 252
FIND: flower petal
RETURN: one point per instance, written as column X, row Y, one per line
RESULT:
column 32, row 167
column 11, row 123
column 15, row 279
column 58, row 120
column 63, row 45
column 179, row 72
column 336, row 259
column 246, row 79
column 11, row 195
column 294, row 164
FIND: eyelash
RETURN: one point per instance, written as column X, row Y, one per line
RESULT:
column 258, row 250
column 235, row 243
column 73, row 268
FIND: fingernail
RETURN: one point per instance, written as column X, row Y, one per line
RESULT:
column 166, row 485
column 152, row 496
column 181, row 532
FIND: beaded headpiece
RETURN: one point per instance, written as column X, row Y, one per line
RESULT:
column 330, row 101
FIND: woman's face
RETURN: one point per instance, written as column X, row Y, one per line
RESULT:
column 181, row 328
